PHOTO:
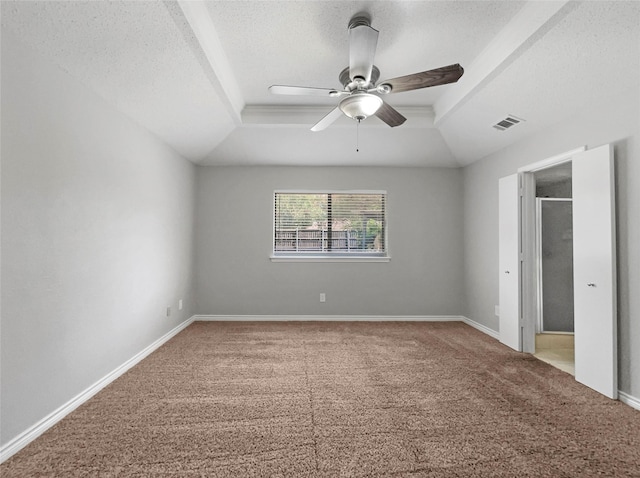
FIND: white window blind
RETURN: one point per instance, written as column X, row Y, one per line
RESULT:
column 351, row 224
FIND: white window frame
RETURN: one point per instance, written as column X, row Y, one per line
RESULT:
column 330, row 256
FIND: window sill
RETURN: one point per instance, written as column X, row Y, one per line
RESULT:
column 329, row 259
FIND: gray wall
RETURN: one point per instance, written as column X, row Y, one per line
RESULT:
column 560, row 189
column 97, row 233
column 605, row 120
column 234, row 275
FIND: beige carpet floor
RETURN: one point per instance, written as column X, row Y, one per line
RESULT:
column 339, row 399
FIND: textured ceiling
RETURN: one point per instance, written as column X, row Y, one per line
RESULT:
column 307, row 43
column 133, row 55
column 196, row 73
column 591, row 53
column 336, row 147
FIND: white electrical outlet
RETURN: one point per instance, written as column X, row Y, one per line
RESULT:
column 497, row 310
column 323, row 297
column 168, row 311
column 180, row 304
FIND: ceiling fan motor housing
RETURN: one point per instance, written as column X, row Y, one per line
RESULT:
column 345, row 79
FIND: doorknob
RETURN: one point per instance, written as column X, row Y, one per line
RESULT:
column 591, row 284
column 506, row 272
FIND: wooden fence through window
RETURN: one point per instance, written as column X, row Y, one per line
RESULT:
column 313, row 240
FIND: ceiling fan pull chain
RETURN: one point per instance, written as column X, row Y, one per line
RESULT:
column 357, row 136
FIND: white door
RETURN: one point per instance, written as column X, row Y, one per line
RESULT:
column 594, row 270
column 509, row 261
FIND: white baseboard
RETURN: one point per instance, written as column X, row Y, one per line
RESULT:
column 349, row 318
column 629, row 400
column 481, row 328
column 329, row 318
column 33, row 432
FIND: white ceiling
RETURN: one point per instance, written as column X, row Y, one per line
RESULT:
column 196, row 73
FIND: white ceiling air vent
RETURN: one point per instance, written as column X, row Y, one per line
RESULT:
column 507, row 123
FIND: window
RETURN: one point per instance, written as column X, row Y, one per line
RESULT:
column 330, row 225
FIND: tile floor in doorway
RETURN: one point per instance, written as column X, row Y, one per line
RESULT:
column 557, row 350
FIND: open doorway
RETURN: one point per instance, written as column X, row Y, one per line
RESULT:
column 594, row 263
column 554, row 340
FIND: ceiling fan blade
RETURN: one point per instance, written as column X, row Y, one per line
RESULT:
column 327, row 120
column 390, row 115
column 362, row 49
column 439, row 76
column 300, row 90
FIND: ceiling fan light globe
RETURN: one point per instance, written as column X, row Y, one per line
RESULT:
column 360, row 105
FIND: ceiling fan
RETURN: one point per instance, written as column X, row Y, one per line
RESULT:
column 361, row 95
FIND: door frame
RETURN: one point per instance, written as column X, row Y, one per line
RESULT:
column 529, row 293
